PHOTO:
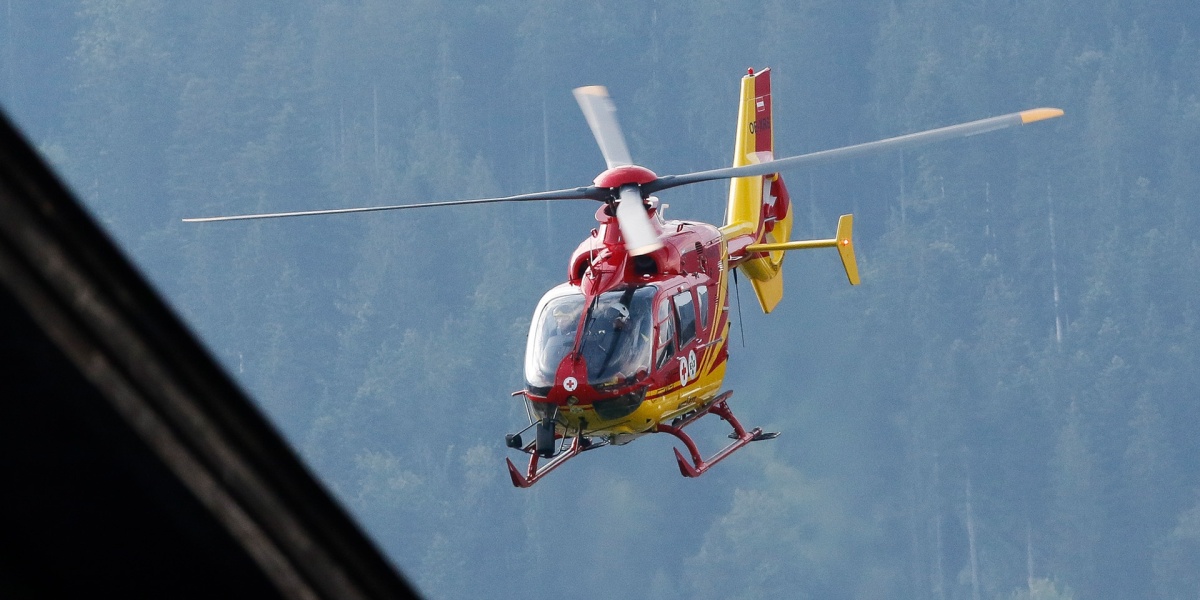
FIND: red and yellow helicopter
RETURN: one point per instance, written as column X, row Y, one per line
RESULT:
column 636, row 341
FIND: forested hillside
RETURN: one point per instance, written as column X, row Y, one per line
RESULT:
column 1006, row 408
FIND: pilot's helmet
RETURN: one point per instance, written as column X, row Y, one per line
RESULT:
column 562, row 314
column 619, row 313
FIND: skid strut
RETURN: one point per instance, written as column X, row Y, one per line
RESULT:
column 533, row 473
column 720, row 407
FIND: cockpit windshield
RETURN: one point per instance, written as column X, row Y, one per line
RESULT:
column 617, row 331
column 551, row 337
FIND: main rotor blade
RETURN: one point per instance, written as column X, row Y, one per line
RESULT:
column 903, row 141
column 640, row 236
column 601, row 115
column 580, row 193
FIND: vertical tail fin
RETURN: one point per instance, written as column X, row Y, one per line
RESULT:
column 759, row 209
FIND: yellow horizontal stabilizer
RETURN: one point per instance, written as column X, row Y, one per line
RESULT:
column 1039, row 114
column 843, row 242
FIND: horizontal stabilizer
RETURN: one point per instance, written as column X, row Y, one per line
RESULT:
column 843, row 242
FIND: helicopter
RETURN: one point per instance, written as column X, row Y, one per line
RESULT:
column 636, row 340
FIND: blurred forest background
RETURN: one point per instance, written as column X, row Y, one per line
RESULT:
column 1006, row 408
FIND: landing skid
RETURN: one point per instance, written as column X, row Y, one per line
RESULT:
column 533, row 473
column 693, row 468
column 698, row 464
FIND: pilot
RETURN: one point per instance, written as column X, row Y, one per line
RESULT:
column 620, row 316
column 625, row 349
column 561, row 335
column 565, row 320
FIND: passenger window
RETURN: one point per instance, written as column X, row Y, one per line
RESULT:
column 666, row 335
column 702, row 304
column 687, row 317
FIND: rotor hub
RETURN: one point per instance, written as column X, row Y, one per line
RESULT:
column 616, row 177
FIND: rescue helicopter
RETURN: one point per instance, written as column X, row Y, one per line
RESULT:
column 636, row 340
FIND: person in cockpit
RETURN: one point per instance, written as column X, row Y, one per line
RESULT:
column 562, row 335
column 565, row 320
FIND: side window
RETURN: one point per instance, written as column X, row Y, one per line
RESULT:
column 687, row 317
column 666, row 335
column 702, row 304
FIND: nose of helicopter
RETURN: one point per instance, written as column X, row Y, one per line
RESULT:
column 571, row 385
column 579, row 403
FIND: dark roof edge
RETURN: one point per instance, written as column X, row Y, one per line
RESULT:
column 118, row 332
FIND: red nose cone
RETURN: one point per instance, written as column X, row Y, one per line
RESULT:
column 619, row 176
column 569, row 380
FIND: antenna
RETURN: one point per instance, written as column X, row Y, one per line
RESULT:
column 546, row 169
column 737, row 293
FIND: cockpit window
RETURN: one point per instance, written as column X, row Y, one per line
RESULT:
column 552, row 337
column 666, row 334
column 687, row 317
column 616, row 340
